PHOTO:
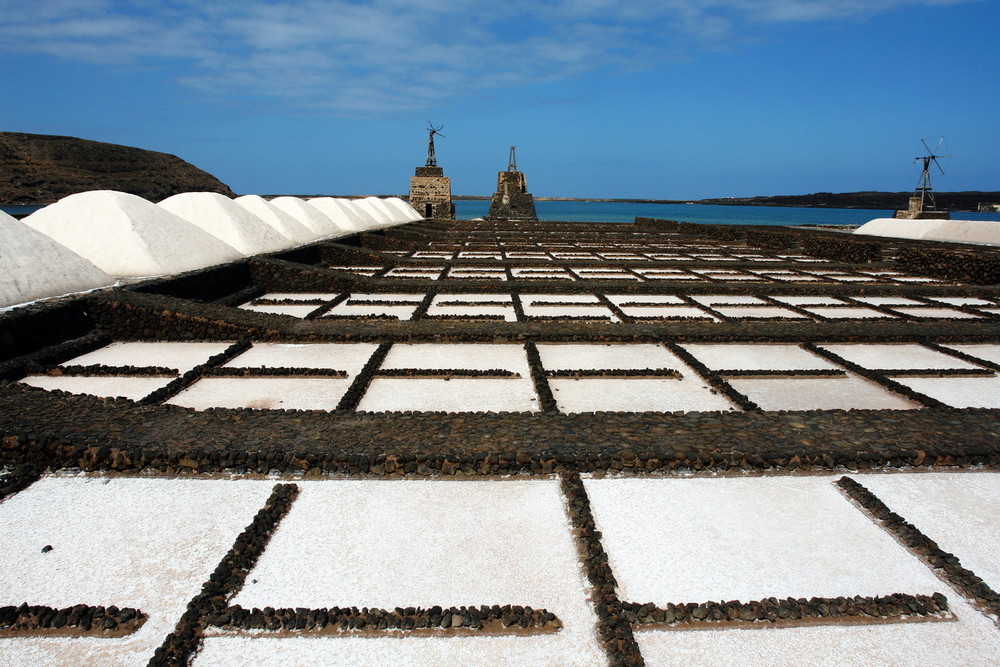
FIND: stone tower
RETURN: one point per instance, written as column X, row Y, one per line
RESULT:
column 512, row 201
column 430, row 189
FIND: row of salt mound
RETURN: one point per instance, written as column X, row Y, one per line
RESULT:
column 127, row 236
column 277, row 218
column 227, row 221
column 105, row 232
column 35, row 267
column 342, row 213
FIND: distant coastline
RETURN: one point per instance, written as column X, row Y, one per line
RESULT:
column 951, row 201
column 948, row 201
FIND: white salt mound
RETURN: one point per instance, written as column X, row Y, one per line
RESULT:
column 276, row 218
column 408, row 213
column 982, row 232
column 371, row 206
column 342, row 213
column 308, row 215
column 125, row 235
column 227, row 221
column 364, row 214
column 34, row 266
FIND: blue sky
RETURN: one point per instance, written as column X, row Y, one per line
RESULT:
column 676, row 99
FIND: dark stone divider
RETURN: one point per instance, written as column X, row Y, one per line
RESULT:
column 189, row 378
column 79, row 620
column 354, row 394
column 789, row 611
column 715, row 379
column 491, row 619
column 229, row 576
column 59, row 430
column 539, row 378
column 614, row 630
column 939, row 560
column 878, row 377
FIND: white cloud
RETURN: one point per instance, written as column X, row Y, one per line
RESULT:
column 362, row 56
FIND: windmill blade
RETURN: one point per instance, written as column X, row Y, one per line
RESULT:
column 929, row 151
column 940, row 141
column 938, row 164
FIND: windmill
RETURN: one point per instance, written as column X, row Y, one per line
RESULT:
column 431, row 157
column 924, row 192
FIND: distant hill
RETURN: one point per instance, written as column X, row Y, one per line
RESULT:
column 40, row 169
column 948, row 201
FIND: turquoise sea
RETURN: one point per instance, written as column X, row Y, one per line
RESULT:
column 576, row 211
column 573, row 211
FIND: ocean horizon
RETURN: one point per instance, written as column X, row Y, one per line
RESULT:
column 582, row 211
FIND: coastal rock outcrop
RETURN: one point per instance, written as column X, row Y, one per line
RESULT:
column 40, row 169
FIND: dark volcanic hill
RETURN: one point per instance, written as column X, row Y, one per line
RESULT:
column 40, row 168
column 946, row 201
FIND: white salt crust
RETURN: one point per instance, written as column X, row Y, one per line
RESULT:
column 455, row 394
column 474, row 356
column 972, row 641
column 984, row 351
column 180, row 356
column 227, row 221
column 349, row 357
column 277, row 219
column 529, row 304
column 130, row 387
column 941, row 313
column 129, row 542
column 959, row 511
column 35, row 266
column 636, row 395
column 895, row 355
column 961, row 300
column 294, row 311
column 959, row 392
column 849, row 313
column 694, row 540
column 355, row 305
column 886, row 300
column 716, row 299
column 850, row 392
column 301, row 393
column 810, row 300
column 264, row 393
column 755, row 356
column 765, row 312
column 421, row 543
column 619, row 299
column 668, row 311
column 127, row 236
column 584, row 356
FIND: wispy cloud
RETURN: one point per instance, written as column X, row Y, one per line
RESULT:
column 381, row 55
